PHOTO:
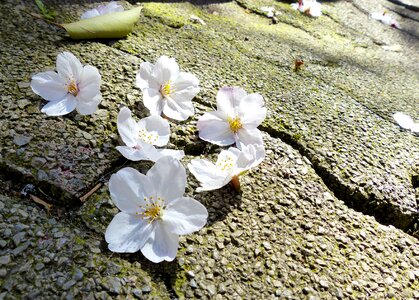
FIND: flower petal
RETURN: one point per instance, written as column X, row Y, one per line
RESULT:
column 162, row 245
column 68, row 66
column 186, row 86
column 156, row 126
column 128, row 129
column 49, row 86
column 169, row 178
column 89, row 83
column 128, row 187
column 178, row 154
column 88, row 107
column 251, row 110
column 207, row 174
column 403, row 120
column 248, row 136
column 212, row 128
column 184, row 215
column 250, row 157
column 153, row 100
column 178, row 110
column 132, row 153
column 127, row 233
column 145, row 79
column 165, row 69
column 228, row 100
column 60, row 107
column 90, row 14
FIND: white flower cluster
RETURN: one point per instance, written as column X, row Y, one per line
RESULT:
column 154, row 211
column 309, row 7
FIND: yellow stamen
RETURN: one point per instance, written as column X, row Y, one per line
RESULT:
column 152, row 212
column 72, row 88
column 166, row 89
column 235, row 124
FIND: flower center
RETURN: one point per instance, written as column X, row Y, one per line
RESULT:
column 166, row 89
column 225, row 164
column 73, row 88
column 152, row 210
column 235, row 124
column 148, row 137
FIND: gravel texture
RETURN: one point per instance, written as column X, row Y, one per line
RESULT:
column 293, row 233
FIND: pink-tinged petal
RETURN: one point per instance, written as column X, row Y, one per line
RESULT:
column 207, row 174
column 128, row 187
column 132, row 153
column 169, row 178
column 162, row 245
column 109, row 8
column 212, row 128
column 251, row 110
column 90, row 14
column 145, row 79
column 88, row 106
column 178, row 154
column 165, row 69
column 155, row 126
column 184, row 216
column 89, row 83
column 60, row 107
column 246, row 137
column 228, row 100
column 178, row 110
column 127, row 233
column 68, row 66
column 49, row 86
column 128, row 129
column 153, row 100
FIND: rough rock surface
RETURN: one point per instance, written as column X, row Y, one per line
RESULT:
column 332, row 147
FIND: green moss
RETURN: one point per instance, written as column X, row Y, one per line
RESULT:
column 165, row 14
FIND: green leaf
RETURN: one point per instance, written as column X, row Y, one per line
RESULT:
column 45, row 12
column 113, row 25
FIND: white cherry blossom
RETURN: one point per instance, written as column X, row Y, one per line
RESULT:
column 230, row 165
column 154, row 211
column 311, row 8
column 141, row 137
column 236, row 119
column 73, row 87
column 111, row 7
column 167, row 90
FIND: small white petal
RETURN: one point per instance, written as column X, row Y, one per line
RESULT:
column 248, row 136
column 127, row 233
column 403, row 120
column 88, row 107
column 128, row 129
column 132, row 153
column 415, row 127
column 68, row 66
column 178, row 110
column 212, row 128
column 165, row 69
column 178, row 154
column 89, row 83
column 251, row 110
column 128, row 187
column 145, row 79
column 250, row 157
column 162, row 246
column 185, row 215
column 228, row 100
column 90, row 14
column 111, row 7
column 153, row 100
column 60, row 107
column 156, row 126
column 169, row 178
column 207, row 174
column 49, row 86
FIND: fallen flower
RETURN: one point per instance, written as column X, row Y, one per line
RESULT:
column 153, row 211
column 167, row 90
column 269, row 10
column 308, row 7
column 230, row 165
column 111, row 7
column 73, row 87
column 236, row 119
column 139, row 137
column 385, row 18
column 406, row 122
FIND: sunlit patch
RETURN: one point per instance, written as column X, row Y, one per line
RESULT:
column 167, row 89
column 235, row 124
